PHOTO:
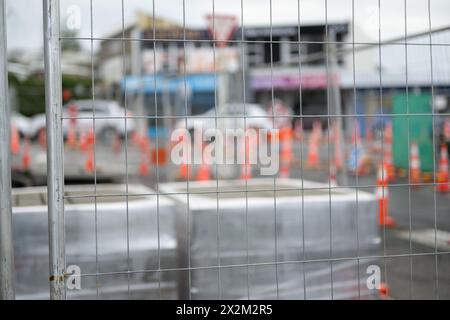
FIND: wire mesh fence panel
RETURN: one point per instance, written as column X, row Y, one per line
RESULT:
column 284, row 149
column 7, row 287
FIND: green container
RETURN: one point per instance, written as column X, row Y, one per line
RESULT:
column 417, row 114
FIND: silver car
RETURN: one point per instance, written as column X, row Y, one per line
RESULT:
column 109, row 119
column 230, row 116
column 21, row 123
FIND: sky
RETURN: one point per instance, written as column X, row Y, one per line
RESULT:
column 24, row 17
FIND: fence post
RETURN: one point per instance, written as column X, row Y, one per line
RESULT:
column 6, row 243
column 55, row 173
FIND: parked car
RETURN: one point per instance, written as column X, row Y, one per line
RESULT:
column 108, row 123
column 230, row 116
column 21, row 123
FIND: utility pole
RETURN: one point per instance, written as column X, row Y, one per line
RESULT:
column 336, row 110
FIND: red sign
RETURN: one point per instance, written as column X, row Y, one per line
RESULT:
column 221, row 27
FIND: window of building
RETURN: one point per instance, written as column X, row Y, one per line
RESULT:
column 272, row 51
column 255, row 53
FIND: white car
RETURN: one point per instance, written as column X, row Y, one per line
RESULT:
column 229, row 116
column 21, row 123
column 109, row 119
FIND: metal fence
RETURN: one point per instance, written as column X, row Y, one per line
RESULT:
column 279, row 236
column 6, row 248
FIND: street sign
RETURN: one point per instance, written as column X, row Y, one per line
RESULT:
column 221, row 27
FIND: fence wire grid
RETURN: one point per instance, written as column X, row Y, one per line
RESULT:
column 330, row 223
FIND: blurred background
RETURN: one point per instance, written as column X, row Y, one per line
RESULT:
column 359, row 90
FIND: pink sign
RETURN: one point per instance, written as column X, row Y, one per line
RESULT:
column 290, row 82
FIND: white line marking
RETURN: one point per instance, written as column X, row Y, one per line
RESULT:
column 428, row 237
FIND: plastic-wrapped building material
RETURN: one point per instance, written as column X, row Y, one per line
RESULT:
column 104, row 238
column 265, row 239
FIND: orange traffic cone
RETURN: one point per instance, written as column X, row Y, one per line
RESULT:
column 88, row 146
column 83, row 141
column 15, row 140
column 86, row 139
column 72, row 137
column 42, row 139
column 136, row 138
column 317, row 130
column 443, row 176
column 246, row 168
column 143, row 166
column 91, row 137
column 414, row 172
column 388, row 152
column 313, row 153
column 286, row 152
column 203, row 173
column 383, row 198
column 384, row 290
column 89, row 164
column 336, row 135
column 144, row 145
column 298, row 130
column 26, row 160
column 447, row 129
column 185, row 170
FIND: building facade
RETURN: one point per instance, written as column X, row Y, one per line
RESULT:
column 266, row 62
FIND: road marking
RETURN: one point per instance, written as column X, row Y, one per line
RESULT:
column 428, row 237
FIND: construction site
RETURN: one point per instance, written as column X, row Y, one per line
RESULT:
column 170, row 158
